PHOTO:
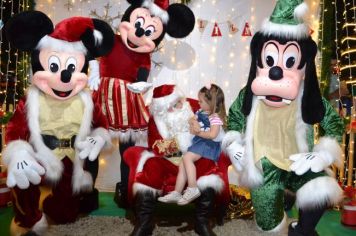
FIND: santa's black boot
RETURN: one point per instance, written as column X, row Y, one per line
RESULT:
column 308, row 219
column 144, row 213
column 220, row 214
column 203, row 207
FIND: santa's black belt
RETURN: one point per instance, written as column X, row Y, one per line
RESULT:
column 176, row 154
column 52, row 142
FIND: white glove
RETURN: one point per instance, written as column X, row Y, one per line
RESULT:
column 139, row 87
column 94, row 77
column 23, row 170
column 236, row 152
column 314, row 161
column 91, row 147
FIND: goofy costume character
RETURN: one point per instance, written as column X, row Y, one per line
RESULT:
column 271, row 139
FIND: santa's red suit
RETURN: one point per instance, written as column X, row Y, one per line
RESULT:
column 150, row 168
column 66, row 177
column 153, row 174
column 124, row 110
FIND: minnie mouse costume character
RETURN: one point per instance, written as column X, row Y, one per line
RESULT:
column 56, row 132
column 276, row 112
column 125, row 70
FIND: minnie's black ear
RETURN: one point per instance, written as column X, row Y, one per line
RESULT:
column 135, row 2
column 97, row 49
column 26, row 29
column 313, row 109
column 181, row 20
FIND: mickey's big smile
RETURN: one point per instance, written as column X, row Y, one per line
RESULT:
column 61, row 93
column 131, row 45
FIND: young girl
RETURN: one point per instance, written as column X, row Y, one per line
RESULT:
column 207, row 126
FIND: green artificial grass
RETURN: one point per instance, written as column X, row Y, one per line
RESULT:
column 329, row 224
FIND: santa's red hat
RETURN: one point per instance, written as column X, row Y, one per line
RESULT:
column 164, row 97
column 158, row 8
column 67, row 35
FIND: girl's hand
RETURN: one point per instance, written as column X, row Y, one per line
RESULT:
column 191, row 120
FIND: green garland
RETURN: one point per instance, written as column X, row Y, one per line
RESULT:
column 21, row 68
column 327, row 29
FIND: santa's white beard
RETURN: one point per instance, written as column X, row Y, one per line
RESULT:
column 177, row 120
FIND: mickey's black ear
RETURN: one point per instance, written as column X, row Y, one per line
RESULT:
column 95, row 48
column 181, row 20
column 135, row 2
column 26, row 29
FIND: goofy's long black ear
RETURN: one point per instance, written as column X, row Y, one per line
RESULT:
column 313, row 109
column 101, row 41
column 255, row 52
column 181, row 20
column 26, row 29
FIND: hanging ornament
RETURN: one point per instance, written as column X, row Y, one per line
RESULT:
column 69, row 5
column 5, row 193
column 311, row 31
column 202, row 24
column 216, row 31
column 106, row 17
column 246, row 31
column 232, row 27
column 336, row 70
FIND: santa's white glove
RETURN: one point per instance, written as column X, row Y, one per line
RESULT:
column 139, row 87
column 236, row 152
column 314, row 161
column 23, row 170
column 94, row 77
column 91, row 147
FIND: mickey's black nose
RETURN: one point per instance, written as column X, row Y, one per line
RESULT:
column 275, row 73
column 139, row 32
column 65, row 76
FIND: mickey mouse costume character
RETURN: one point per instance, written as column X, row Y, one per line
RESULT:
column 271, row 139
column 56, row 127
column 125, row 70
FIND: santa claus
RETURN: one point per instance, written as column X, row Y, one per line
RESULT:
column 153, row 170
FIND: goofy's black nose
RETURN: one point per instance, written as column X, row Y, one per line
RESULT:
column 65, row 76
column 275, row 73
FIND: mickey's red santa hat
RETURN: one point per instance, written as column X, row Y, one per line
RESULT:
column 73, row 34
column 67, row 35
column 164, row 97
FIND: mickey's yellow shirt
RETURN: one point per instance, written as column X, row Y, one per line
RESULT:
column 61, row 119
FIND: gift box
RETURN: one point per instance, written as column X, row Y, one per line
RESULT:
column 348, row 213
column 5, row 192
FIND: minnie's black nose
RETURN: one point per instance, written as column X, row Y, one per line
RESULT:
column 275, row 73
column 139, row 32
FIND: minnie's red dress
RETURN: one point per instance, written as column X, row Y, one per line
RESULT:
column 125, row 111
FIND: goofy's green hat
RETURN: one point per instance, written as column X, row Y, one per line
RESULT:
column 287, row 20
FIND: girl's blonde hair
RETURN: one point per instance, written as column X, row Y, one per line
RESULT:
column 214, row 96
